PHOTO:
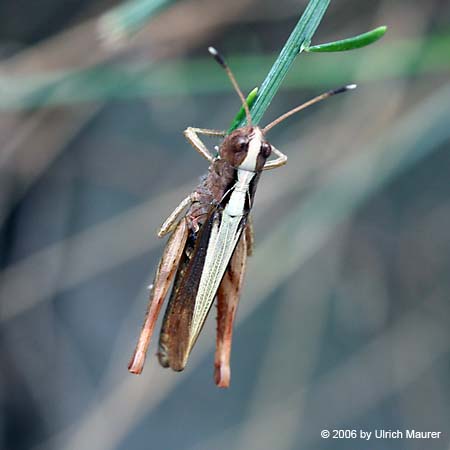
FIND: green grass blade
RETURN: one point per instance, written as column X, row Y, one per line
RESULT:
column 300, row 36
column 350, row 43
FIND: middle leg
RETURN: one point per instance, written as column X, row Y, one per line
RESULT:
column 281, row 160
column 170, row 223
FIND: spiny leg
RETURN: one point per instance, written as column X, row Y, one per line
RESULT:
column 163, row 278
column 171, row 221
column 280, row 161
column 191, row 135
column 227, row 303
column 249, row 236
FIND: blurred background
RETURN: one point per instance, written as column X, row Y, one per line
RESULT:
column 344, row 317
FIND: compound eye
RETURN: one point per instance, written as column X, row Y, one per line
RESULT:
column 266, row 149
column 242, row 144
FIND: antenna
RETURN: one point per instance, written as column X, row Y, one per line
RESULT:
column 308, row 103
column 219, row 58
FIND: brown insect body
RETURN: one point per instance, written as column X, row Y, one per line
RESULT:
column 210, row 197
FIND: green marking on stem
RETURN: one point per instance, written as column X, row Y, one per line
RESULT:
column 350, row 43
column 240, row 116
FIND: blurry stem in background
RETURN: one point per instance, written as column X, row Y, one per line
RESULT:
column 121, row 22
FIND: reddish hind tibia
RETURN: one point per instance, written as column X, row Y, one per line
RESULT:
column 222, row 374
column 227, row 302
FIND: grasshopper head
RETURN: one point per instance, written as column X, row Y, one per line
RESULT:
column 246, row 148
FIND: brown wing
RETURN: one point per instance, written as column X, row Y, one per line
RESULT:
column 227, row 302
column 175, row 330
column 163, row 278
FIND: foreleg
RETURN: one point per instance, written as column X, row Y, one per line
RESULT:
column 191, row 134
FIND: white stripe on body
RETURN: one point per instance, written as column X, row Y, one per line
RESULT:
column 254, row 147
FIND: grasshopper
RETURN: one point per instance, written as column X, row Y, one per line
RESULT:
column 211, row 237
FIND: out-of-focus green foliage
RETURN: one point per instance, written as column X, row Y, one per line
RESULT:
column 128, row 18
column 110, row 82
column 200, row 76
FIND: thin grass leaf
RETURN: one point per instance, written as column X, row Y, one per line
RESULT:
column 240, row 116
column 302, row 34
column 350, row 43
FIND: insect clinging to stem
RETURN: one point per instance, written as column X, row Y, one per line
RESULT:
column 211, row 237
